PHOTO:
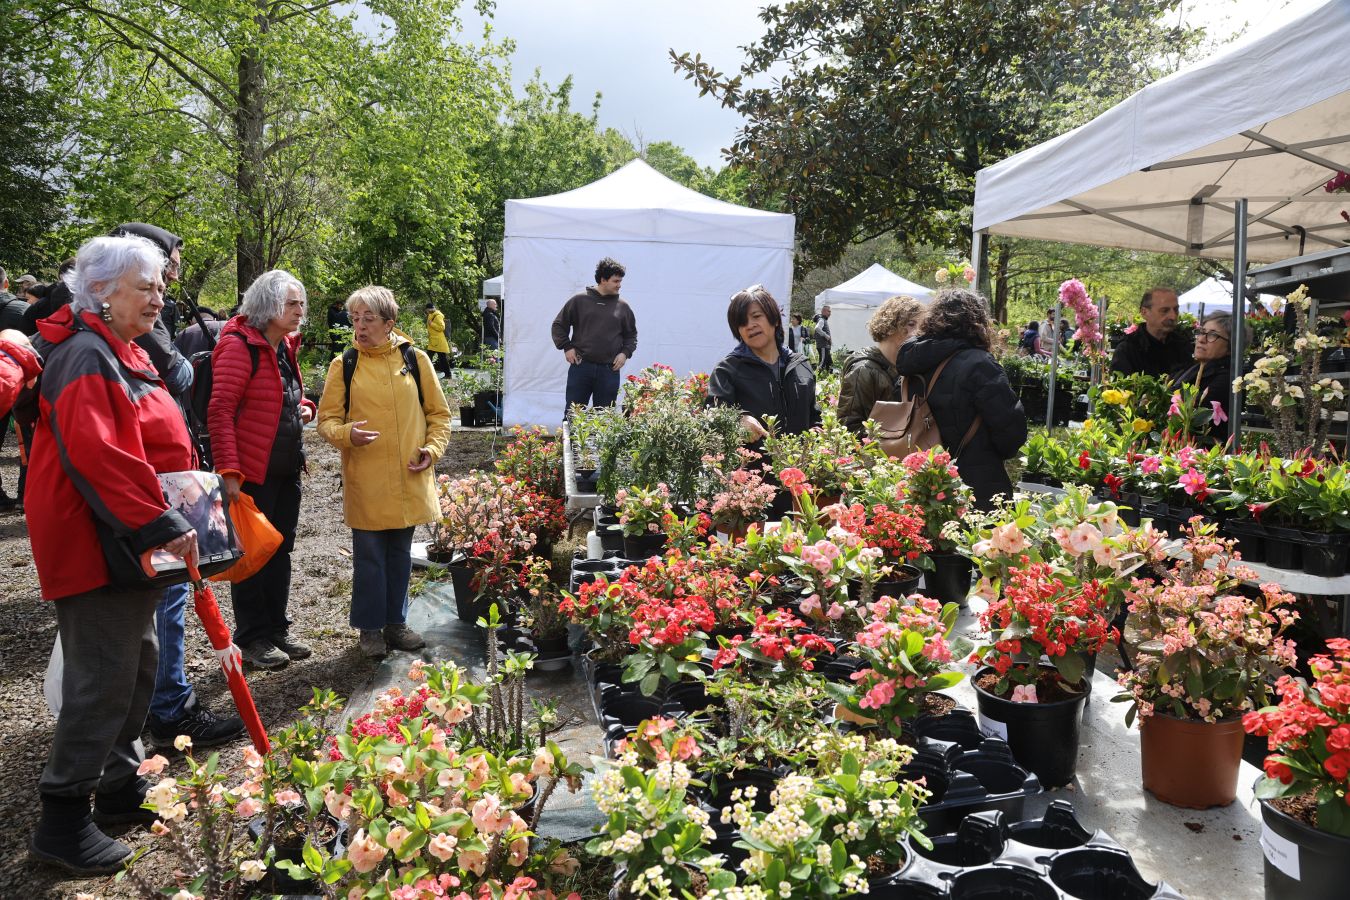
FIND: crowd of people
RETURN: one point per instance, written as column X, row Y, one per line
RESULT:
column 101, row 381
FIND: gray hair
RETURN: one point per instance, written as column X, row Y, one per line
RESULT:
column 1224, row 319
column 100, row 264
column 265, row 299
column 377, row 299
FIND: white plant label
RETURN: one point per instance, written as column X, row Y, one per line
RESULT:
column 994, row 728
column 1282, row 852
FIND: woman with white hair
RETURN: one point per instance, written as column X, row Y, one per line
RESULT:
column 384, row 409
column 256, row 418
column 106, row 428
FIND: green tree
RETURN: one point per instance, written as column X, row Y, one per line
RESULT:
column 30, row 115
column 882, row 111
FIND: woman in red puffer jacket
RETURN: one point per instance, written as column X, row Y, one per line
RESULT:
column 255, row 420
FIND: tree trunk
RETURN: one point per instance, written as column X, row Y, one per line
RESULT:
column 1002, row 255
column 250, row 234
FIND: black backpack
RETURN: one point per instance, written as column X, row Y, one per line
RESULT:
column 199, row 395
column 351, row 355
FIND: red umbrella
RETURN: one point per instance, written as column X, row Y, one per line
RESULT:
column 204, row 600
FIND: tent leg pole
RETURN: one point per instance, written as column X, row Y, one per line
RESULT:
column 1236, row 341
column 1054, row 369
column 979, row 249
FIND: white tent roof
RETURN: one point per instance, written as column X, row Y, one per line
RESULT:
column 638, row 203
column 492, row 287
column 871, row 287
column 1216, row 294
column 1266, row 119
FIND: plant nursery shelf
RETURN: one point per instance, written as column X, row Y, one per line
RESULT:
column 576, row 502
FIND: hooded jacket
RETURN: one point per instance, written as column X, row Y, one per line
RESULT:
column 18, row 365
column 171, row 365
column 868, row 376
column 245, row 410
column 972, row 384
column 378, row 491
column 436, row 341
column 786, row 391
column 106, row 427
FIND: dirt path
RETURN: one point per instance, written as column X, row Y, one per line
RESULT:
column 320, row 596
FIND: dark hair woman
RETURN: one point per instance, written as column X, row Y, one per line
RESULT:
column 1211, row 372
column 761, row 376
column 957, row 329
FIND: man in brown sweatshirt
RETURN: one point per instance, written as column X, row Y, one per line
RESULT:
column 597, row 332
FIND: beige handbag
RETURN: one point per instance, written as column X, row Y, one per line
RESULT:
column 907, row 425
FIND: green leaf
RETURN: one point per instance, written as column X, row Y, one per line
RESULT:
column 313, row 861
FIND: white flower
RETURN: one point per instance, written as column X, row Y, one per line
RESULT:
column 252, row 869
column 182, row 743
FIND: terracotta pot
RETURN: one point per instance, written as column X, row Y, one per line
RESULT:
column 1191, row 763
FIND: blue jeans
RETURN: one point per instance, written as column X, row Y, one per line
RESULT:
column 592, row 384
column 381, row 568
column 172, row 694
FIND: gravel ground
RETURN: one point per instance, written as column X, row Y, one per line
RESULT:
column 320, row 594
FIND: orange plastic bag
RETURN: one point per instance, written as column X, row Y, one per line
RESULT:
column 257, row 538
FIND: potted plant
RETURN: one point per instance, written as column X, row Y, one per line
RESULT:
column 1307, row 779
column 477, row 524
column 852, row 813
column 1042, row 612
column 541, row 616
column 533, row 457
column 934, row 488
column 1202, row 656
column 742, row 499
column 907, row 652
column 642, row 514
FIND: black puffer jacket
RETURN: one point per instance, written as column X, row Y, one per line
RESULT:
column 972, row 384
column 787, row 392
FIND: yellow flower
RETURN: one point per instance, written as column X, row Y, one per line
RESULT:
column 1088, row 423
column 1142, row 425
column 1115, row 397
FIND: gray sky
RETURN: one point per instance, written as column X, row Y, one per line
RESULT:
column 620, row 48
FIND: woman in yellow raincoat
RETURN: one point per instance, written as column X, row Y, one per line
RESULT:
column 437, row 345
column 391, row 429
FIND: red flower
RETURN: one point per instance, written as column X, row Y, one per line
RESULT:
column 1338, row 765
column 1278, row 771
column 1084, row 461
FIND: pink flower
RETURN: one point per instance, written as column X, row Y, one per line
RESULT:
column 1024, row 693
column 288, row 798
column 488, row 816
column 473, row 861
column 1008, row 539
column 1193, row 482
column 1132, row 328
column 396, row 836
column 835, row 611
column 154, row 765
column 442, row 846
column 1150, row 464
column 968, row 273
column 882, row 692
column 1175, row 408
column 1219, row 416
column 1084, row 538
column 811, row 605
column 248, row 808
column 365, row 852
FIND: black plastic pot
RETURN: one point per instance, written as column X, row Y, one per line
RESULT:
column 1284, row 547
column 1058, row 829
column 897, row 587
column 278, row 880
column 607, row 527
column 487, row 406
column 689, row 698
column 644, row 546
column 1302, row 863
column 1325, row 554
column 1251, row 537
column 1002, row 883
column 628, row 710
column 1043, row 737
column 949, row 579
column 466, row 598
column 585, row 571
column 467, row 417
column 1099, row 873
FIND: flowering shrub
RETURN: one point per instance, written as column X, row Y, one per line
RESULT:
column 542, row 596
column 478, row 505
column 898, row 534
column 534, row 457
column 936, row 491
column 1308, row 734
column 653, row 828
column 827, row 826
column 1041, row 612
column 742, row 500
column 828, row 456
column 667, row 634
column 643, row 511
column 778, row 644
column 657, row 381
column 1203, row 652
column 1073, row 295
column 908, row 650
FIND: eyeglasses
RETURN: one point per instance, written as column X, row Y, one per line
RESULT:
column 366, row 320
column 1207, row 336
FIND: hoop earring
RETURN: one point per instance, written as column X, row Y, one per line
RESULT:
column 106, row 314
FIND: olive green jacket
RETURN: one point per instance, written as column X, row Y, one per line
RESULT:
column 867, row 377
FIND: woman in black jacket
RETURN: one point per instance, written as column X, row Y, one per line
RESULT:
column 1211, row 372
column 761, row 376
column 957, row 328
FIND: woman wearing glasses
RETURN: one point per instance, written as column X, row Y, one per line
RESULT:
column 1211, row 372
column 388, row 416
column 257, row 413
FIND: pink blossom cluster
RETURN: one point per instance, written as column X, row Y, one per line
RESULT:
column 1073, row 295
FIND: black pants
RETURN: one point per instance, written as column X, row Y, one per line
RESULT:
column 826, row 363
column 440, row 362
column 260, row 602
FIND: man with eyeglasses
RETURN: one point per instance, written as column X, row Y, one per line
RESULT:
column 174, row 709
column 1153, row 348
column 597, row 332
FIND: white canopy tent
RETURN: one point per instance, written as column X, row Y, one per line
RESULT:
column 853, row 302
column 492, row 287
column 685, row 255
column 1216, row 294
column 1224, row 159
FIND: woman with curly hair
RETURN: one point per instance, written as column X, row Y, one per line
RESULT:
column 972, row 389
column 870, row 375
